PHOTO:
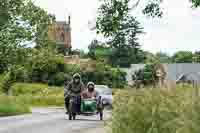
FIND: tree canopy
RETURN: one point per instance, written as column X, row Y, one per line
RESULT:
column 183, row 57
column 21, row 24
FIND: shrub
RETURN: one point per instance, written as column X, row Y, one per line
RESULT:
column 57, row 79
column 104, row 74
column 147, row 75
column 21, row 74
column 72, row 69
column 7, row 82
column 1, row 80
column 155, row 111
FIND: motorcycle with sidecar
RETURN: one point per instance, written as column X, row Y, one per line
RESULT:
column 89, row 107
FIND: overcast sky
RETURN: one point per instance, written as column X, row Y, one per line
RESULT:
column 179, row 29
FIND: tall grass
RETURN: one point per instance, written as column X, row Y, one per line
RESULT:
column 156, row 111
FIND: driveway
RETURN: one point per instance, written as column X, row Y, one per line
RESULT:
column 51, row 120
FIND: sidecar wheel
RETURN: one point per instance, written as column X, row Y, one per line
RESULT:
column 101, row 115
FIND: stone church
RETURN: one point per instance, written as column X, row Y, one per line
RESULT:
column 60, row 33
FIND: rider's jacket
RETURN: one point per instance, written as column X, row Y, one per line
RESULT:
column 73, row 89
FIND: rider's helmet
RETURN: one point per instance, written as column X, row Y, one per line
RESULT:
column 90, row 86
column 76, row 78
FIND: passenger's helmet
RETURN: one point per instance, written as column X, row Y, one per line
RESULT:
column 90, row 86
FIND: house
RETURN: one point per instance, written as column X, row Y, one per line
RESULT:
column 181, row 72
column 60, row 33
column 172, row 73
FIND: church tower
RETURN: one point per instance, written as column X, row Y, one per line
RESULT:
column 60, row 33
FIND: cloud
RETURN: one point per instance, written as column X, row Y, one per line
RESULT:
column 178, row 30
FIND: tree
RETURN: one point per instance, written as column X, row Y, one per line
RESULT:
column 196, row 57
column 83, row 54
column 92, row 48
column 112, row 13
column 122, row 32
column 196, row 3
column 183, row 57
column 21, row 22
column 112, row 19
column 163, row 57
column 44, row 64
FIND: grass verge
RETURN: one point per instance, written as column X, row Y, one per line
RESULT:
column 39, row 94
column 10, row 106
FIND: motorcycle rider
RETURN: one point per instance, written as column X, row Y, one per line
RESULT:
column 90, row 92
column 74, row 88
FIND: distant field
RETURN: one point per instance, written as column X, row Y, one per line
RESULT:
column 26, row 95
column 39, row 94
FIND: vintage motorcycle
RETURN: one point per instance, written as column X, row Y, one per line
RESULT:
column 89, row 107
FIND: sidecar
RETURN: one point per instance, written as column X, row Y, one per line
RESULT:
column 89, row 107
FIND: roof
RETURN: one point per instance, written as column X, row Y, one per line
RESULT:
column 61, row 23
column 173, row 71
column 177, row 71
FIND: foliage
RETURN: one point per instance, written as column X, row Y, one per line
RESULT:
column 126, row 49
column 102, row 53
column 147, row 76
column 58, row 79
column 196, row 57
column 163, row 57
column 72, row 69
column 1, row 80
column 8, row 79
column 99, row 51
column 95, row 44
column 83, row 54
column 183, row 57
column 22, row 23
column 44, row 64
column 13, row 106
column 196, row 3
column 105, row 74
column 150, row 57
column 112, row 13
column 115, row 22
column 155, row 111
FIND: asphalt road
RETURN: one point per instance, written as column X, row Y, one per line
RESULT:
column 51, row 120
